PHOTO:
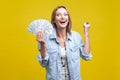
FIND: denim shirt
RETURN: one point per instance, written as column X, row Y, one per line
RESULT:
column 52, row 61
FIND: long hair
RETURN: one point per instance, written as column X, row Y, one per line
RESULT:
column 69, row 26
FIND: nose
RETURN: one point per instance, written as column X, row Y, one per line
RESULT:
column 62, row 16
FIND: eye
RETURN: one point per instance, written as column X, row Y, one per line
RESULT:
column 57, row 14
column 65, row 14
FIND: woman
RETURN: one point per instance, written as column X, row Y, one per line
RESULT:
column 61, row 51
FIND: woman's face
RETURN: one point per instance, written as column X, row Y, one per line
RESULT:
column 61, row 18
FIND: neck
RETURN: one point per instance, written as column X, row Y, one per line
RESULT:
column 61, row 33
column 61, row 37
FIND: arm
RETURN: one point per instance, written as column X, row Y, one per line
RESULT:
column 40, row 39
column 86, row 38
column 43, row 58
column 85, row 49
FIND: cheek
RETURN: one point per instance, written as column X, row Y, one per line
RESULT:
column 57, row 18
column 56, row 22
column 67, row 18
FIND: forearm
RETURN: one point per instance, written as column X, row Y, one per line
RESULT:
column 86, row 43
column 43, row 50
column 42, row 57
column 40, row 39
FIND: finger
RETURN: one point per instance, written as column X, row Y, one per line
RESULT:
column 38, row 37
column 86, row 24
column 42, row 36
column 39, row 32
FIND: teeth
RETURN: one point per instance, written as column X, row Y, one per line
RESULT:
column 62, row 22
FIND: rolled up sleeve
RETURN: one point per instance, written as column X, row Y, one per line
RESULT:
column 43, row 61
column 83, row 55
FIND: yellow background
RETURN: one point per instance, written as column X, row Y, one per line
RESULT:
column 18, row 48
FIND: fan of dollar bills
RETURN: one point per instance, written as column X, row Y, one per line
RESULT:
column 40, row 24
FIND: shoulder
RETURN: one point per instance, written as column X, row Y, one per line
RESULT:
column 75, row 34
column 76, row 37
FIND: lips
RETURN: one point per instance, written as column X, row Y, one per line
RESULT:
column 63, row 22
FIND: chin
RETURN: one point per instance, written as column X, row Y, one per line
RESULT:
column 63, row 26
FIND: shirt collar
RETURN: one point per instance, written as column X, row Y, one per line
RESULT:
column 53, row 35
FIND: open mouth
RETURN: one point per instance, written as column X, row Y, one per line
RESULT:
column 63, row 22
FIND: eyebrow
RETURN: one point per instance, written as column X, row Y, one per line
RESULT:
column 60, row 13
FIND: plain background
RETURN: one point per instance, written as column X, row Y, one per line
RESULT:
column 18, row 48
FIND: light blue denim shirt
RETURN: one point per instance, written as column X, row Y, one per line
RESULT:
column 52, row 61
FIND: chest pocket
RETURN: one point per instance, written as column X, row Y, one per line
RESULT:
column 75, row 52
column 52, row 54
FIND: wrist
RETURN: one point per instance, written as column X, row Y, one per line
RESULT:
column 42, row 43
column 86, row 34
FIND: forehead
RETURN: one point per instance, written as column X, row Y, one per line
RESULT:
column 61, row 10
